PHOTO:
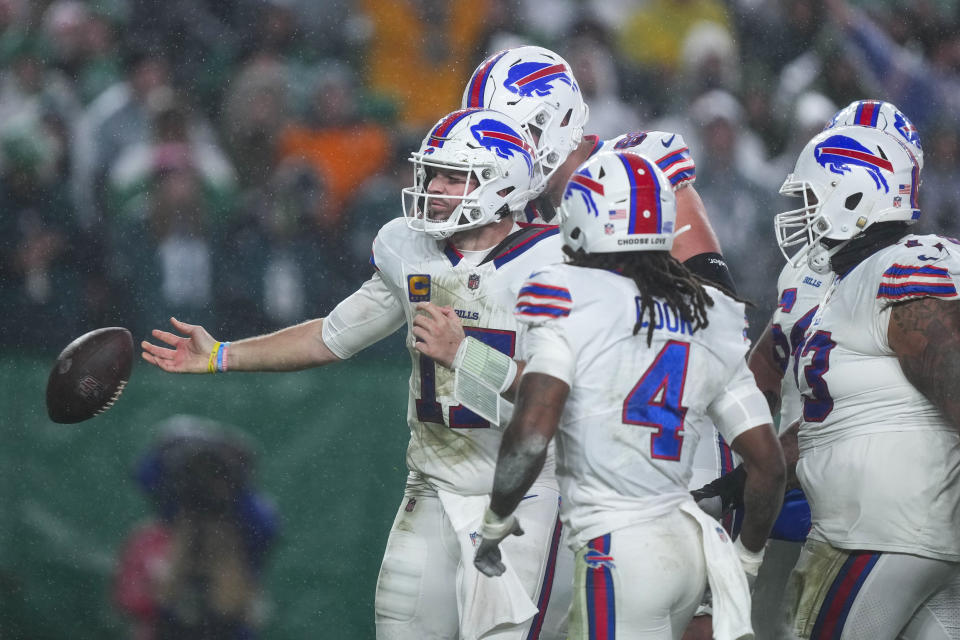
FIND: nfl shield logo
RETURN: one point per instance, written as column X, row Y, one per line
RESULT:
column 473, row 281
column 609, row 229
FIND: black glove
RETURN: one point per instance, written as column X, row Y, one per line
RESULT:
column 728, row 487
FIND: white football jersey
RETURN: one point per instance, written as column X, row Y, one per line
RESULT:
column 799, row 292
column 635, row 413
column 451, row 447
column 668, row 150
column 878, row 463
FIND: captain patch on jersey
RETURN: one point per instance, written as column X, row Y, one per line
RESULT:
column 418, row 287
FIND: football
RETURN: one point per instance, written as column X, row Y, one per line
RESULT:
column 89, row 375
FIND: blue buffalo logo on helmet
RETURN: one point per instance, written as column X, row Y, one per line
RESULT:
column 906, row 129
column 583, row 183
column 840, row 153
column 536, row 78
column 501, row 139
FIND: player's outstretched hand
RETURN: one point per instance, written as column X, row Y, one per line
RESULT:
column 188, row 355
column 494, row 530
column 438, row 332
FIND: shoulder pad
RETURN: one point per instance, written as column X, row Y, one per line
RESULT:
column 790, row 276
column 727, row 316
column 919, row 267
column 521, row 241
column 393, row 240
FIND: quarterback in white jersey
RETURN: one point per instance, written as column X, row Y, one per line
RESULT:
column 627, row 356
column 448, row 270
column 867, row 328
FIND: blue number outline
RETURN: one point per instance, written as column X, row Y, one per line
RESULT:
column 429, row 410
column 819, row 406
column 669, row 374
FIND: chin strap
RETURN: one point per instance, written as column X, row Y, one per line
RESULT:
column 844, row 256
column 545, row 209
column 819, row 257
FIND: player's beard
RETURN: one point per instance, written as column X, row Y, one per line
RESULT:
column 440, row 209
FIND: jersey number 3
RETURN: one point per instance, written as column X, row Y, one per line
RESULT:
column 655, row 401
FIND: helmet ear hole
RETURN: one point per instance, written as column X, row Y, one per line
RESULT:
column 575, row 233
column 853, row 200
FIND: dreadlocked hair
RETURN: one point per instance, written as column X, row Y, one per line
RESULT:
column 657, row 274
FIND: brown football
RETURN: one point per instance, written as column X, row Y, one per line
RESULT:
column 89, row 375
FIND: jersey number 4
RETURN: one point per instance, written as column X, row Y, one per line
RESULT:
column 655, row 401
column 429, row 410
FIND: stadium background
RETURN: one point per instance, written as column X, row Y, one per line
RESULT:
column 230, row 162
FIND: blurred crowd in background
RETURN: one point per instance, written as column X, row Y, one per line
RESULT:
column 229, row 162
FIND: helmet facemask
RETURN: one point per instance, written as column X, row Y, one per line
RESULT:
column 802, row 227
column 492, row 157
column 850, row 178
column 466, row 210
column 554, row 137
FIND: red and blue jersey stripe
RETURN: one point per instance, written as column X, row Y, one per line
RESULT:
column 597, row 144
column 546, row 291
column 516, row 250
column 911, row 281
column 452, row 254
column 536, row 299
column 546, row 587
column 678, row 166
column 601, row 609
column 842, row 594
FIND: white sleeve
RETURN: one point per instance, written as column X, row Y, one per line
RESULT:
column 740, row 406
column 544, row 303
column 364, row 317
column 547, row 350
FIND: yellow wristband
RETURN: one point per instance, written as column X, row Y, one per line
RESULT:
column 212, row 361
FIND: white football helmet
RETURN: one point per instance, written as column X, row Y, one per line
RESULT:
column 492, row 151
column 849, row 178
column 880, row 115
column 536, row 87
column 618, row 201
